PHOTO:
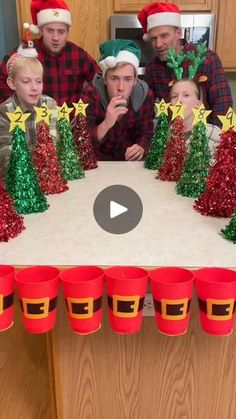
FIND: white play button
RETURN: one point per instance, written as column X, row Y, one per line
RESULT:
column 116, row 209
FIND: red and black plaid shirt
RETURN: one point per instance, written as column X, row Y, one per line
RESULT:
column 64, row 74
column 132, row 128
column 216, row 90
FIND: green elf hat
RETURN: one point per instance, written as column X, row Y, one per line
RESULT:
column 117, row 51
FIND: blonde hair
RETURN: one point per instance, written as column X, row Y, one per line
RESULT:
column 122, row 64
column 17, row 62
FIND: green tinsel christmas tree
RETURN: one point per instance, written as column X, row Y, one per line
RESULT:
column 158, row 144
column 66, row 149
column 196, row 165
column 229, row 232
column 21, row 179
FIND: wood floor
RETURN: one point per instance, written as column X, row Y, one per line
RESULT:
column 24, row 377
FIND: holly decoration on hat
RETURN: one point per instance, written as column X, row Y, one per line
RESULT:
column 174, row 155
column 158, row 143
column 219, row 198
column 21, row 180
column 229, row 232
column 66, row 148
column 83, row 140
column 196, row 165
column 11, row 223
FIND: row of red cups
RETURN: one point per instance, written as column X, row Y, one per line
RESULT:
column 83, row 288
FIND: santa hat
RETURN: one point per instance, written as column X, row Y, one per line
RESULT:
column 117, row 51
column 48, row 11
column 159, row 14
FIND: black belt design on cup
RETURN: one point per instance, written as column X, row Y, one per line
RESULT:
column 216, row 309
column 6, row 301
column 172, row 309
column 125, row 306
column 37, row 308
column 83, row 308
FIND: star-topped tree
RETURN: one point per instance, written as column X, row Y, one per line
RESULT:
column 11, row 224
column 158, row 143
column 21, row 179
column 45, row 157
column 83, row 140
column 174, row 155
column 219, row 198
column 66, row 148
column 228, row 120
column 196, row 165
column 17, row 119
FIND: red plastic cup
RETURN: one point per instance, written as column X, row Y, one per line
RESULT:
column 83, row 290
column 7, row 275
column 37, row 289
column 126, row 289
column 216, row 290
column 172, row 290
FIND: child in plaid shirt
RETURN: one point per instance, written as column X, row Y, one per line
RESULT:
column 25, row 78
column 188, row 93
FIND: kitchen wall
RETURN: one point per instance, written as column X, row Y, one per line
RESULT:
column 232, row 82
column 9, row 37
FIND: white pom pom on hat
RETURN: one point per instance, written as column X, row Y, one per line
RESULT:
column 34, row 29
column 110, row 61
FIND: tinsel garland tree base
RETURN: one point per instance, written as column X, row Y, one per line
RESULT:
column 196, row 165
column 67, row 154
column 21, row 179
column 229, row 232
column 158, row 144
column 219, row 198
column 174, row 155
column 11, row 224
column 84, row 144
column 46, row 163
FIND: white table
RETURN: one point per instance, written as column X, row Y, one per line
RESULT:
column 171, row 232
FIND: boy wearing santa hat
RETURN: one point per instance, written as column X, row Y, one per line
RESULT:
column 161, row 23
column 120, row 111
column 66, row 65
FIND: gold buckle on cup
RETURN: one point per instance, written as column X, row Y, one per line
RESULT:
column 43, row 309
column 134, row 303
column 182, row 306
column 1, row 304
column 228, row 310
column 86, row 303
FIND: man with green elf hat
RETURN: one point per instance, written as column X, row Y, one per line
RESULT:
column 120, row 111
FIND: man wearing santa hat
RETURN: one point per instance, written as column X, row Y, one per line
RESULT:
column 161, row 23
column 66, row 65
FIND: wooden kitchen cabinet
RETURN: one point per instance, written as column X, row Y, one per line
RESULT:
column 185, row 5
column 226, row 34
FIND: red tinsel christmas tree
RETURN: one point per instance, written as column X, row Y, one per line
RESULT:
column 46, row 162
column 174, row 155
column 219, row 197
column 11, row 224
column 84, row 144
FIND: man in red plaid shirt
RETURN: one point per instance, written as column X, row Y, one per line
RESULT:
column 66, row 66
column 161, row 25
column 120, row 112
